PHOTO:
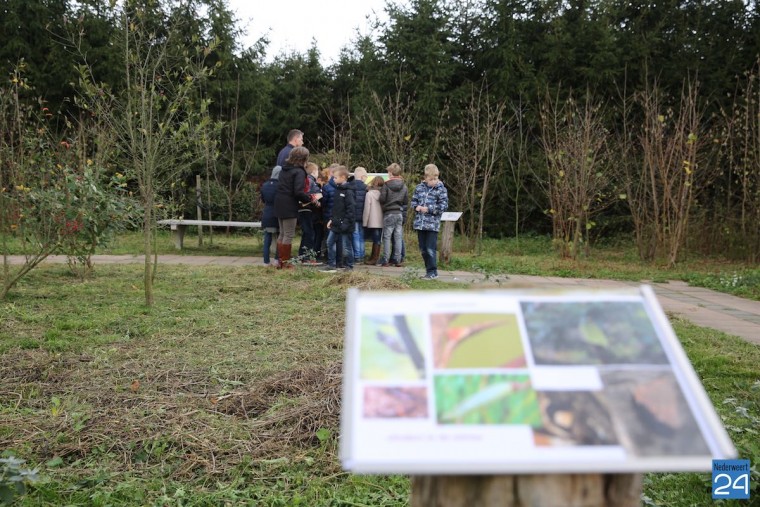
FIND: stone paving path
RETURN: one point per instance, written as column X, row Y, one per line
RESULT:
column 704, row 307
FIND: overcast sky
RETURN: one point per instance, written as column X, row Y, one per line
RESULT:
column 292, row 24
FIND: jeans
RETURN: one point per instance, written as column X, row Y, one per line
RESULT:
column 428, row 244
column 376, row 235
column 358, row 240
column 308, row 246
column 268, row 246
column 346, row 247
column 392, row 229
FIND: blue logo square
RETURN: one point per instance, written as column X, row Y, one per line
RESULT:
column 730, row 479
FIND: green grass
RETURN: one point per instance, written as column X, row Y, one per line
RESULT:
column 727, row 367
column 615, row 259
column 222, row 393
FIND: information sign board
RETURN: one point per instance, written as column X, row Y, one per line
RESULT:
column 487, row 382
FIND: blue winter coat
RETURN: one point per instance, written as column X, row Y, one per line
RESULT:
column 328, row 198
column 268, row 191
column 360, row 195
column 436, row 199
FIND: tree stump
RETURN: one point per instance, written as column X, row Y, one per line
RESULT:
column 571, row 490
column 447, row 242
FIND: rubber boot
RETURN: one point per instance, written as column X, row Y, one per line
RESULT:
column 285, row 256
column 373, row 255
column 278, row 261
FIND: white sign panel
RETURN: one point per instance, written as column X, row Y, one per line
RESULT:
column 521, row 382
column 450, row 216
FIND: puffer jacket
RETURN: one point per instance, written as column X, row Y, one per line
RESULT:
column 268, row 192
column 360, row 195
column 436, row 199
column 343, row 216
column 328, row 198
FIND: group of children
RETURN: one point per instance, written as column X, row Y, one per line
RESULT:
column 334, row 227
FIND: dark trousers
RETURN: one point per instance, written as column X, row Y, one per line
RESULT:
column 319, row 238
column 428, row 248
column 308, row 244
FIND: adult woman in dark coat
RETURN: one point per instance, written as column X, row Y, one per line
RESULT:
column 292, row 191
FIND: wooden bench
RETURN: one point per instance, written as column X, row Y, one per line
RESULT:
column 178, row 227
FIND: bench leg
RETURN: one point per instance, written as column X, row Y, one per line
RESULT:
column 178, row 235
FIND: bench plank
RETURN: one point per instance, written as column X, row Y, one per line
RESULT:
column 178, row 227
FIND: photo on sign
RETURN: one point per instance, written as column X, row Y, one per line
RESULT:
column 486, row 399
column 573, row 418
column 651, row 413
column 401, row 402
column 582, row 333
column 476, row 340
column 392, row 347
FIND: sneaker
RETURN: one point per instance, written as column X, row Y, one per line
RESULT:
column 430, row 276
column 329, row 269
column 399, row 264
column 347, row 268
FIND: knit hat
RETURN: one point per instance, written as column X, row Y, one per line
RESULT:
column 276, row 172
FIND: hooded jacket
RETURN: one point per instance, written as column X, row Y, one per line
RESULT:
column 435, row 199
column 394, row 195
column 291, row 191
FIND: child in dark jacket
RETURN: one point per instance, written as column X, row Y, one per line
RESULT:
column 341, row 224
column 307, row 250
column 269, row 222
column 394, row 196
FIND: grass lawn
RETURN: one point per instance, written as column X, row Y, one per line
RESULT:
column 530, row 255
column 227, row 392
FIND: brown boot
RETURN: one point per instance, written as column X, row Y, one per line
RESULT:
column 373, row 255
column 285, row 256
column 278, row 262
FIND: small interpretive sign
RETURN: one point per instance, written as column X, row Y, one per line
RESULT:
column 451, row 216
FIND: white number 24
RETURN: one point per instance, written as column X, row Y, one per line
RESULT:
column 737, row 484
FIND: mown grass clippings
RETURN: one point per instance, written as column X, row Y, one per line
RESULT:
column 134, row 405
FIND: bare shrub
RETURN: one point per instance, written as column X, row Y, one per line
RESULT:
column 581, row 177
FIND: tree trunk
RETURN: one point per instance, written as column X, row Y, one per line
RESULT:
column 147, row 246
column 593, row 490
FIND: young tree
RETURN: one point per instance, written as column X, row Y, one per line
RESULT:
column 475, row 148
column 581, row 176
column 153, row 118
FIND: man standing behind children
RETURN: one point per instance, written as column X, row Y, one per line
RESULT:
column 393, row 196
column 429, row 201
column 341, row 225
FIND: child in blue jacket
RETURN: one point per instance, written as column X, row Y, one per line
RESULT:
column 429, row 201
